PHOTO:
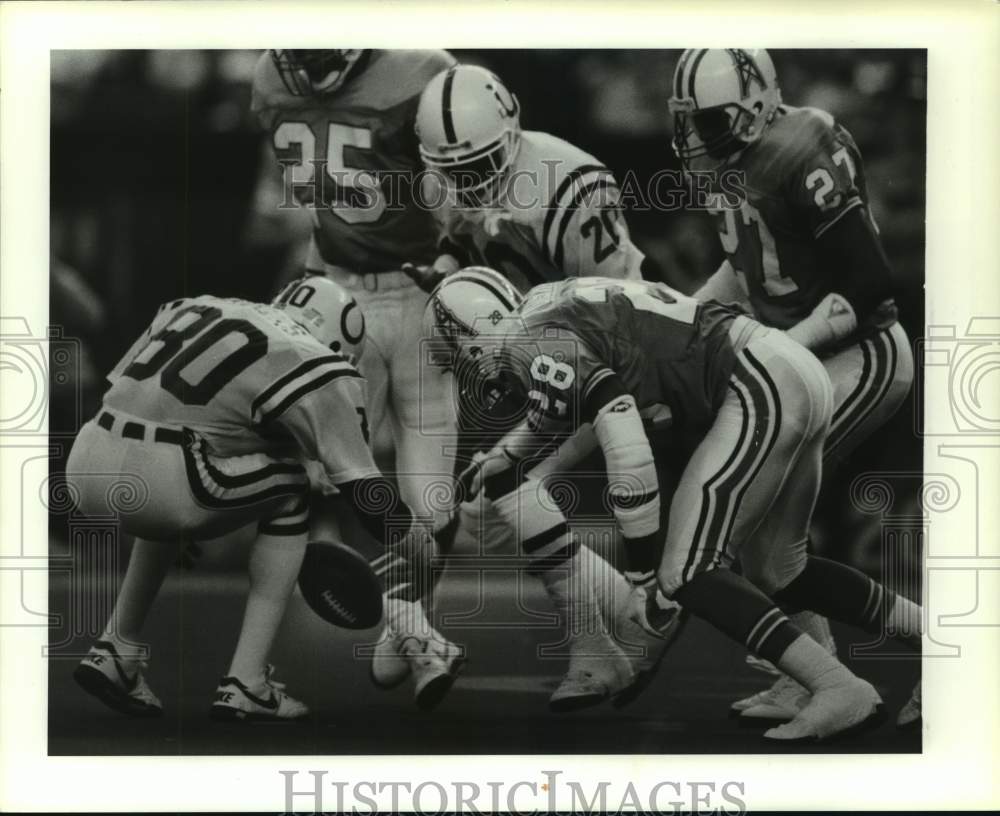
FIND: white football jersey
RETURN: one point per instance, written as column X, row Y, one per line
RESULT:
column 557, row 216
column 247, row 379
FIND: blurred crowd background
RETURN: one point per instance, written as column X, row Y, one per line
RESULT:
column 157, row 171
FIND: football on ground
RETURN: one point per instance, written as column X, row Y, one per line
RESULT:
column 340, row 586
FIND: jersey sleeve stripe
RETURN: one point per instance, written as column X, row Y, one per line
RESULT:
column 553, row 208
column 597, row 377
column 605, row 182
column 297, row 390
column 854, row 202
column 291, row 376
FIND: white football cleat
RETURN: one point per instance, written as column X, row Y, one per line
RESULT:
column 598, row 670
column 911, row 714
column 117, row 682
column 434, row 664
column 782, row 702
column 268, row 701
column 849, row 706
column 388, row 667
column 649, row 620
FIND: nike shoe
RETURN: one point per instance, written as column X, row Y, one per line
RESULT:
column 645, row 618
column 434, row 664
column 598, row 670
column 911, row 714
column 267, row 701
column 849, row 707
column 117, row 682
column 780, row 703
column 388, row 667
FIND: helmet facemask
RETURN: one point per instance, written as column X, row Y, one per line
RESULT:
column 314, row 72
column 476, row 177
column 716, row 135
column 723, row 101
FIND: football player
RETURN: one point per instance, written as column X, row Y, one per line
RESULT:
column 341, row 122
column 209, row 425
column 534, row 208
column 802, row 255
column 528, row 204
column 595, row 353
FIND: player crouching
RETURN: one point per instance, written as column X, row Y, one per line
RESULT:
column 211, row 419
column 753, row 407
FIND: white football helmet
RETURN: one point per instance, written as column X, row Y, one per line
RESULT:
column 723, row 101
column 319, row 71
column 469, row 128
column 327, row 311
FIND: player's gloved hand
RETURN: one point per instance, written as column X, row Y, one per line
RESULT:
column 472, row 480
column 884, row 316
column 444, row 532
column 428, row 277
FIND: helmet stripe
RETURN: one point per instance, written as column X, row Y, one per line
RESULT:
column 449, row 124
column 694, row 71
column 487, row 284
column 679, row 73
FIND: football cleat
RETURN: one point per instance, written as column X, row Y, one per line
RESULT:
column 647, row 619
column 911, row 714
column 598, row 670
column 117, row 682
column 388, row 667
column 434, row 663
column 845, row 708
column 782, row 702
column 267, row 701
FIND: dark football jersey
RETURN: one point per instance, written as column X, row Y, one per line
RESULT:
column 352, row 158
column 669, row 350
column 803, row 174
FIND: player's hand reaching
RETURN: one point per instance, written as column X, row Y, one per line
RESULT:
column 428, row 277
column 472, row 480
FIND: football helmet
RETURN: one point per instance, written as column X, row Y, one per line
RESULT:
column 465, row 321
column 469, row 128
column 308, row 72
column 723, row 100
column 327, row 311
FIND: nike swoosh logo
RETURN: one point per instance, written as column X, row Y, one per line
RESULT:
column 130, row 682
column 271, row 703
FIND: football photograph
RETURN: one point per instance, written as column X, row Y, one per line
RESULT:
column 417, row 411
column 469, row 423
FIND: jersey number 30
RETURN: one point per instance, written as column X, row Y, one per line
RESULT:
column 165, row 351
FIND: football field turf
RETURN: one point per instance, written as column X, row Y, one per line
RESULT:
column 497, row 706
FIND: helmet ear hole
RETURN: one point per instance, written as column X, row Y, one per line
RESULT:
column 335, row 345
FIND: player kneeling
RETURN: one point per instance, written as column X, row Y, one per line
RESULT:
column 212, row 416
column 752, row 406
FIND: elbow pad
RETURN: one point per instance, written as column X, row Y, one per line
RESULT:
column 633, row 490
column 832, row 320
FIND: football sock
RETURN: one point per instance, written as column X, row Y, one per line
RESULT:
column 274, row 567
column 402, row 579
column 817, row 627
column 147, row 567
column 812, row 665
column 570, row 586
column 846, row 594
column 737, row 608
column 407, row 619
